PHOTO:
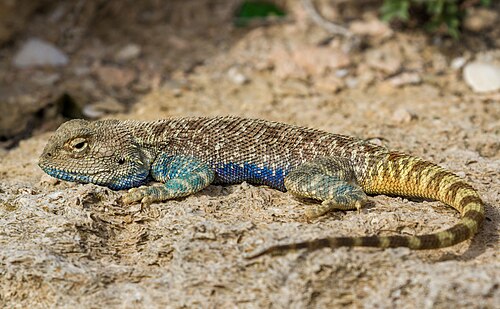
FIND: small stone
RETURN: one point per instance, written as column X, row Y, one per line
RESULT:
column 129, row 52
column 43, row 79
column 115, row 77
column 102, row 108
column 406, row 78
column 341, row 73
column 373, row 27
column 317, row 60
column 458, row 63
column 386, row 59
column 81, row 70
column 46, row 179
column 403, row 115
column 236, row 76
column 330, row 84
column 352, row 82
column 36, row 52
column 480, row 19
column 482, row 76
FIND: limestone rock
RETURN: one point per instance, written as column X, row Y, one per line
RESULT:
column 36, row 52
column 482, row 76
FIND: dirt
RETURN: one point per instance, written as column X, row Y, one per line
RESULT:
column 74, row 245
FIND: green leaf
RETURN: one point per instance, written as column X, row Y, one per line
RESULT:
column 256, row 10
column 395, row 9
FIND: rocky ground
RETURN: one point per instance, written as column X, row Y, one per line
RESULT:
column 72, row 245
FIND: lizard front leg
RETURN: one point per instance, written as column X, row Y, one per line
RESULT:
column 329, row 180
column 181, row 176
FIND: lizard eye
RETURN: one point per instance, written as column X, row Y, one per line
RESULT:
column 78, row 144
column 121, row 161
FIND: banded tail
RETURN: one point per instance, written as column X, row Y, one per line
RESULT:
column 404, row 175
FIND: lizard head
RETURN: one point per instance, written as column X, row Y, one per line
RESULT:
column 101, row 152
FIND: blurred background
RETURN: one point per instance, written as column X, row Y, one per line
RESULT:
column 95, row 58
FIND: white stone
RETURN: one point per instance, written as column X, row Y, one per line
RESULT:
column 405, row 78
column 236, row 76
column 129, row 52
column 36, row 52
column 482, row 76
column 458, row 63
column 403, row 115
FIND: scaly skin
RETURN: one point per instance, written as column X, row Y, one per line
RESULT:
column 188, row 154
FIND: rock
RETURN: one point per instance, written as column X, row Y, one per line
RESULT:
column 102, row 108
column 458, row 63
column 352, row 82
column 403, row 115
column 45, row 79
column 129, row 52
column 489, row 148
column 329, row 84
column 482, row 76
column 36, row 52
column 480, row 19
column 373, row 27
column 317, row 60
column 236, row 76
column 341, row 73
column 386, row 59
column 112, row 76
column 406, row 78
column 49, row 180
column 22, row 108
column 280, row 59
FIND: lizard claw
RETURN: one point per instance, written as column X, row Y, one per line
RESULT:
column 136, row 194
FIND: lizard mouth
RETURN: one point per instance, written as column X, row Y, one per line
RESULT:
column 69, row 173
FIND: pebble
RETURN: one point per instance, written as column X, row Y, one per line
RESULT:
column 36, row 52
column 458, row 63
column 406, row 78
column 386, row 59
column 112, row 76
column 236, row 76
column 341, row 73
column 129, row 52
column 46, row 179
column 373, row 27
column 480, row 19
column 318, row 60
column 44, row 79
column 482, row 76
column 102, row 108
column 352, row 82
column 403, row 115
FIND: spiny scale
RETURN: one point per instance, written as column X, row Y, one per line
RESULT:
column 188, row 154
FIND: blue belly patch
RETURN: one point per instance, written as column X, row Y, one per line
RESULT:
column 235, row 173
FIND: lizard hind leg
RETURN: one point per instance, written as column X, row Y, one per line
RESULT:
column 330, row 180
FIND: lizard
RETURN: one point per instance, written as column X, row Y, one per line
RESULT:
column 188, row 154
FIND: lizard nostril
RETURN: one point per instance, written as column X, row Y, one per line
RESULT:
column 48, row 154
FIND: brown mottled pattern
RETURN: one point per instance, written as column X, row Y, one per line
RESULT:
column 281, row 146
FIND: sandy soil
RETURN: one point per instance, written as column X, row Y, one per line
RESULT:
column 73, row 245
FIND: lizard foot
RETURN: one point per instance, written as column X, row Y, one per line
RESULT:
column 328, row 205
column 141, row 194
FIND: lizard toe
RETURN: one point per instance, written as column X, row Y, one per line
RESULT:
column 134, row 195
column 147, row 200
